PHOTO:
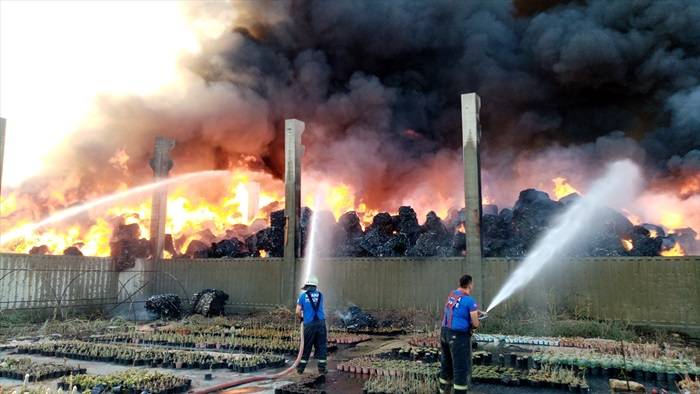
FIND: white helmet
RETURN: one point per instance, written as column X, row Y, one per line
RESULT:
column 312, row 280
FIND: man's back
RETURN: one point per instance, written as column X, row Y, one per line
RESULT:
column 311, row 302
column 458, row 308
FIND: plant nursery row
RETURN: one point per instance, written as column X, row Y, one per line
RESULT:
column 131, row 381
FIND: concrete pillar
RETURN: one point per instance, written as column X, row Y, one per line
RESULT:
column 293, row 151
column 471, row 133
column 2, row 148
column 161, row 165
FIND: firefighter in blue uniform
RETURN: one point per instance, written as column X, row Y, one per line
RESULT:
column 310, row 309
column 460, row 317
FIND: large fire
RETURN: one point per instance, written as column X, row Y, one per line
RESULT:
column 248, row 199
column 188, row 214
column 102, row 62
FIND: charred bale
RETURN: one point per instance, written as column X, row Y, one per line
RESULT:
column 127, row 231
column 654, row 230
column 396, row 246
column 209, row 302
column 165, row 306
column 489, row 209
column 228, row 248
column 197, row 250
column 643, row 244
column 431, row 244
column 271, row 240
column 72, row 251
column 434, row 224
column 251, row 243
column 434, row 241
column 277, row 219
column 350, row 236
column 379, row 233
column 407, row 223
column 532, row 215
column 42, row 249
column 455, row 218
column 350, row 225
column 459, row 242
column 124, row 252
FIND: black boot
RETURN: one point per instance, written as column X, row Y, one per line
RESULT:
column 301, row 367
column 445, row 386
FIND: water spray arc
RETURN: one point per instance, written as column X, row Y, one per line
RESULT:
column 311, row 250
column 617, row 187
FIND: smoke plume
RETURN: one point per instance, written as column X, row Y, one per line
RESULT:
column 566, row 87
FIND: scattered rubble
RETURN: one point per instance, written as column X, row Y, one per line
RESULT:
column 209, row 302
column 165, row 306
column 355, row 319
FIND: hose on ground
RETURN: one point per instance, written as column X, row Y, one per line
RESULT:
column 234, row 383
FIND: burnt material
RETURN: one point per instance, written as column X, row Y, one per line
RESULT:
column 355, row 319
column 42, row 249
column 126, row 246
column 209, row 302
column 197, row 249
column 508, row 233
column 72, row 251
column 228, row 248
column 164, row 306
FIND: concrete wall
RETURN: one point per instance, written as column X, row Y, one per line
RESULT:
column 654, row 291
column 41, row 282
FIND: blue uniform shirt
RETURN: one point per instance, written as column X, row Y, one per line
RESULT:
column 458, row 307
column 308, row 309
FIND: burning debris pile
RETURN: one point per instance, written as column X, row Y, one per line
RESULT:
column 506, row 233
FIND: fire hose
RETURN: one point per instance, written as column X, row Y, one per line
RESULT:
column 234, row 383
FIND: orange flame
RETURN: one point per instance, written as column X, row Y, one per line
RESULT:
column 627, row 244
column 562, row 188
column 671, row 220
column 676, row 250
column 187, row 214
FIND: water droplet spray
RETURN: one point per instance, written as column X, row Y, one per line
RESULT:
column 616, row 188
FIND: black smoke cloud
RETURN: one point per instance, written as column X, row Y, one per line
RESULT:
column 378, row 84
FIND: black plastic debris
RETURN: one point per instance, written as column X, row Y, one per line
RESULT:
column 72, row 251
column 356, row 319
column 228, row 248
column 165, row 306
column 127, row 246
column 42, row 249
column 197, row 249
column 209, row 302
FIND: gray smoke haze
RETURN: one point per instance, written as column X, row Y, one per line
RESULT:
column 378, row 84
